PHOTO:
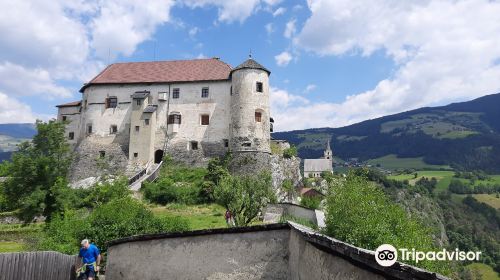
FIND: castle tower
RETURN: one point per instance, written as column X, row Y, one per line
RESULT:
column 250, row 115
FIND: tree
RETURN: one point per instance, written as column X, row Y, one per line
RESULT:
column 245, row 196
column 290, row 152
column 101, row 193
column 37, row 175
column 358, row 212
column 289, row 189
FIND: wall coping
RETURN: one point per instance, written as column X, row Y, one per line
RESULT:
column 358, row 256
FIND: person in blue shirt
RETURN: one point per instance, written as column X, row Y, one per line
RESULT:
column 89, row 260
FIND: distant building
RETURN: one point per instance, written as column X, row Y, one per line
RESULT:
column 314, row 167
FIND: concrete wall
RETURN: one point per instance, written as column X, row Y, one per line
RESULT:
column 239, row 255
column 274, row 212
column 277, row 251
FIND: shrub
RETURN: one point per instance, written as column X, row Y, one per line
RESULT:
column 167, row 191
column 290, row 152
column 310, row 202
column 101, row 193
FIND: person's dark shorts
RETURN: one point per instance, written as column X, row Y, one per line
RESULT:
column 89, row 272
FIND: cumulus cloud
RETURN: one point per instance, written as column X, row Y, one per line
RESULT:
column 443, row 51
column 269, row 28
column 229, row 11
column 279, row 11
column 290, row 28
column 283, row 59
column 309, row 88
column 13, row 111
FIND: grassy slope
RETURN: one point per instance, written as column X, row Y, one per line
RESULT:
column 202, row 216
column 393, row 162
column 486, row 271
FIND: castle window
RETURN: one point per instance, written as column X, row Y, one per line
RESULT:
column 111, row 102
column 64, row 118
column 175, row 93
column 174, row 119
column 258, row 116
column 146, row 121
column 89, row 129
column 205, row 119
column 246, row 144
column 194, row 145
column 204, row 92
column 136, row 155
column 71, row 136
column 102, row 154
column 113, row 129
column 259, row 87
column 138, row 102
column 137, row 128
column 231, row 90
column 226, row 143
column 162, row 95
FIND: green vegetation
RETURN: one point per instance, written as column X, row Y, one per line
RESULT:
column 394, row 162
column 301, row 221
column 310, row 202
column 358, row 212
column 37, row 184
column 202, row 216
column 11, row 246
column 485, row 272
column 290, row 152
column 244, row 196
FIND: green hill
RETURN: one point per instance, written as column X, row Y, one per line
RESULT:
column 462, row 135
column 13, row 134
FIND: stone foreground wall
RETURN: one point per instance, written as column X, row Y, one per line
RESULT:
column 276, row 251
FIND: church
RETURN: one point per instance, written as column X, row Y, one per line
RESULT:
column 131, row 114
column 314, row 167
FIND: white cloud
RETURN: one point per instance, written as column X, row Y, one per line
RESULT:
column 193, row 31
column 228, row 11
column 290, row 28
column 309, row 88
column 279, row 11
column 119, row 26
column 13, row 111
column 443, row 51
column 283, row 58
column 269, row 28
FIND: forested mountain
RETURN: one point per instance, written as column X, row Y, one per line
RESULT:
column 462, row 135
column 13, row 134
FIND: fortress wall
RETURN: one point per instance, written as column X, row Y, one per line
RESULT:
column 231, row 255
column 273, row 251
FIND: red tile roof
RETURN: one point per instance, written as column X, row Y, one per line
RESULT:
column 71, row 104
column 163, row 71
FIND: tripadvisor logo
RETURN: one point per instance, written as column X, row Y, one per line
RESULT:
column 387, row 255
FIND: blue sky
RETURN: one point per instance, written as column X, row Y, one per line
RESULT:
column 333, row 62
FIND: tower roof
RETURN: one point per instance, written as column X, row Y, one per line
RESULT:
column 251, row 64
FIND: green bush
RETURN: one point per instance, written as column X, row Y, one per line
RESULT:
column 116, row 219
column 167, row 191
column 359, row 213
column 102, row 193
column 290, row 152
column 310, row 202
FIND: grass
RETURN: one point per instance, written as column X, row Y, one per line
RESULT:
column 489, row 199
column 204, row 216
column 486, row 271
column 393, row 162
column 11, row 246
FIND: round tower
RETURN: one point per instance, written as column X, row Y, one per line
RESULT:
column 250, row 115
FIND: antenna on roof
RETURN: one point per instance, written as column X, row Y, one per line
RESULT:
column 250, row 54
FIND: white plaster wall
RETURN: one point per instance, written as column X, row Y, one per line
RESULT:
column 72, row 115
column 245, row 100
column 142, row 141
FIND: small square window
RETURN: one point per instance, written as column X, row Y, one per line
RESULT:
column 102, row 154
column 176, row 93
column 113, row 129
column 194, row 145
column 258, row 116
column 89, row 129
column 138, row 102
column 146, row 121
column 259, row 87
column 64, row 118
column 205, row 119
column 204, row 92
column 111, row 102
column 137, row 128
column 226, row 143
column 174, row 119
column 136, row 155
column 71, row 136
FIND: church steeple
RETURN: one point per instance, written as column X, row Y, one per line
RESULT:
column 328, row 154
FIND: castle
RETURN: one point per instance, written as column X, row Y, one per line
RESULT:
column 131, row 114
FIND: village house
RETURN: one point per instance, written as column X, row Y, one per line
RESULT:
column 131, row 114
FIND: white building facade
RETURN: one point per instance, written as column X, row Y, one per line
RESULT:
column 131, row 114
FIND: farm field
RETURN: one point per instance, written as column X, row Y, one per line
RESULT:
column 489, row 199
column 393, row 162
column 486, row 271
